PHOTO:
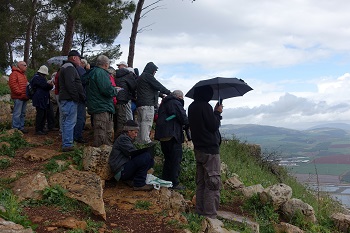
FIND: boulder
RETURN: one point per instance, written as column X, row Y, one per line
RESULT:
column 284, row 227
column 294, row 205
column 341, row 222
column 171, row 200
column 30, row 187
column 71, row 223
column 210, row 225
column 40, row 154
column 234, row 182
column 251, row 190
column 95, row 159
column 11, row 227
column 276, row 195
column 83, row 186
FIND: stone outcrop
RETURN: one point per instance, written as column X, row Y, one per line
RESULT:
column 341, row 222
column 251, row 190
column 30, row 186
column 240, row 220
column 11, row 227
column 294, row 205
column 214, row 226
column 172, row 201
column 95, row 159
column 234, row 182
column 284, row 227
column 39, row 154
column 83, row 186
column 71, row 223
column 276, row 195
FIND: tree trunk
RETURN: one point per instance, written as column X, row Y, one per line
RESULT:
column 68, row 36
column 133, row 35
column 29, row 31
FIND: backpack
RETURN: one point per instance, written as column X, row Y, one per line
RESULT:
column 30, row 90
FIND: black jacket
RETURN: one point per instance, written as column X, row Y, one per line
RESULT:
column 126, row 80
column 148, row 87
column 204, row 123
column 171, row 106
column 70, row 83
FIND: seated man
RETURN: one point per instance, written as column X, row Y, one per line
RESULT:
column 126, row 163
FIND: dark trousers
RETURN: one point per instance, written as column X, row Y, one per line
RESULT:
column 81, row 118
column 40, row 119
column 50, row 116
column 136, row 169
column 172, row 151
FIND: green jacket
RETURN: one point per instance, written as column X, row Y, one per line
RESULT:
column 99, row 91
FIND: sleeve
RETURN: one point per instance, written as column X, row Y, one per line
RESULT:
column 157, row 85
column 211, row 119
column 105, row 86
column 125, row 145
column 180, row 114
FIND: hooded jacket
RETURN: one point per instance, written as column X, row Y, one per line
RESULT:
column 18, row 83
column 42, row 94
column 148, row 87
column 126, row 80
column 173, row 127
column 120, row 152
column 204, row 123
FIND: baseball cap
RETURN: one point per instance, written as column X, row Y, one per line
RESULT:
column 74, row 53
column 122, row 63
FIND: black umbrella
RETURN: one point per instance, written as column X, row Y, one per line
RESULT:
column 223, row 88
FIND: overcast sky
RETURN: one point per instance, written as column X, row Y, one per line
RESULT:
column 295, row 54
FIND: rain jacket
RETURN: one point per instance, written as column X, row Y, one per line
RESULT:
column 99, row 91
column 126, row 80
column 70, row 85
column 42, row 91
column 171, row 106
column 18, row 83
column 204, row 123
column 148, row 87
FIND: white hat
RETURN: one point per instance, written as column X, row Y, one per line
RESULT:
column 43, row 70
column 122, row 63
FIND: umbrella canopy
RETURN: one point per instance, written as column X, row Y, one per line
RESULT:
column 223, row 88
column 56, row 60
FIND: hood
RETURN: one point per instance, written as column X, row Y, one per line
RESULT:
column 121, row 72
column 203, row 93
column 170, row 97
column 15, row 68
column 150, row 68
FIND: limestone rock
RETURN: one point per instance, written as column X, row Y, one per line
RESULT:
column 95, row 159
column 11, row 227
column 276, row 194
column 294, row 205
column 71, row 223
column 341, row 222
column 5, row 112
column 172, row 200
column 240, row 220
column 83, row 186
column 210, row 225
column 30, row 186
column 234, row 182
column 40, row 154
column 284, row 227
column 251, row 190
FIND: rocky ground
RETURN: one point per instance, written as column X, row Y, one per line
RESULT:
column 120, row 199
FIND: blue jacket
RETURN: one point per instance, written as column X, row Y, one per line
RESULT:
column 41, row 96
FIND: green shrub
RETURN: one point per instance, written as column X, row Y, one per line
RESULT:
column 15, row 140
column 194, row 222
column 4, row 163
column 143, row 205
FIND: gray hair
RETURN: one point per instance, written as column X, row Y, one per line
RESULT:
column 102, row 60
column 177, row 93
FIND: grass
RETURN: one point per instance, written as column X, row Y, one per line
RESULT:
column 143, row 205
column 15, row 140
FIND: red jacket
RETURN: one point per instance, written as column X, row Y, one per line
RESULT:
column 18, row 83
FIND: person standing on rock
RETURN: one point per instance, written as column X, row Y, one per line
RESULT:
column 206, row 138
column 18, row 83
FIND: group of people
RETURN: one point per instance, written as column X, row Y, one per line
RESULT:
column 107, row 95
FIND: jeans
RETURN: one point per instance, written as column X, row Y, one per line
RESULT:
column 81, row 118
column 69, row 111
column 19, row 114
column 136, row 169
column 145, row 115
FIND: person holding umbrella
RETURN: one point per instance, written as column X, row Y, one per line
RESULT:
column 206, row 138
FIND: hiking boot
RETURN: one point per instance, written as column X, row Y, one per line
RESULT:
column 146, row 187
column 40, row 133
column 129, row 183
column 67, row 149
column 178, row 187
column 24, row 131
column 80, row 140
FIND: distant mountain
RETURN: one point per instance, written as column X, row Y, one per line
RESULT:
column 317, row 140
column 343, row 126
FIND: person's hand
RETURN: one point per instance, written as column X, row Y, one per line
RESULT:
column 218, row 107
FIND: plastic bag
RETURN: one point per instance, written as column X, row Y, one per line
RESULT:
column 157, row 182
